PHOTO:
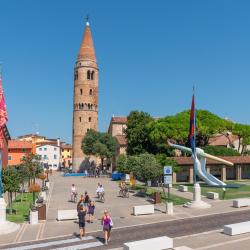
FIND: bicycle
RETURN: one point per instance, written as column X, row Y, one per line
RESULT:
column 124, row 193
column 74, row 197
column 101, row 197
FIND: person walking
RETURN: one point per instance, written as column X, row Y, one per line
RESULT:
column 91, row 211
column 81, row 217
column 80, row 203
column 107, row 225
column 86, row 199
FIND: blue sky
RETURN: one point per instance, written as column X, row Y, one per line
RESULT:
column 150, row 53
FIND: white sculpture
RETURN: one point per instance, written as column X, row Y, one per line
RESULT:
column 200, row 165
column 199, row 159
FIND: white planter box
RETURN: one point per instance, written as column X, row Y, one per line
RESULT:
column 238, row 228
column 241, row 203
column 67, row 214
column 212, row 195
column 33, row 217
column 158, row 243
column 170, row 208
column 183, row 188
column 143, row 209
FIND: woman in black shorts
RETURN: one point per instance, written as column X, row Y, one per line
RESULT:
column 81, row 216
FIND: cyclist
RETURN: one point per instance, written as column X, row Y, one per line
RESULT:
column 73, row 192
column 123, row 189
column 100, row 191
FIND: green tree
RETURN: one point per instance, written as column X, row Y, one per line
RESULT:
column 176, row 128
column 99, row 144
column 11, row 183
column 32, row 165
column 121, row 164
column 243, row 133
column 23, row 174
column 147, row 167
column 220, row 151
column 137, row 133
column 163, row 160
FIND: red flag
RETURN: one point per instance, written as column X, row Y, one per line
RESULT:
column 3, row 113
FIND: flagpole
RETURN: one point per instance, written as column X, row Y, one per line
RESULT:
column 194, row 141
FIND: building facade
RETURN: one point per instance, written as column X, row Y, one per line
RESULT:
column 66, row 155
column 49, row 155
column 240, row 170
column 85, row 104
column 17, row 150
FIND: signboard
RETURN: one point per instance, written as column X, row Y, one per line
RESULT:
column 168, row 179
column 167, row 170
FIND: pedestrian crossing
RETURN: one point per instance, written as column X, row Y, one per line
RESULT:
column 87, row 242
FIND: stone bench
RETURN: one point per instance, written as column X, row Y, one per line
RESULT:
column 183, row 188
column 238, row 228
column 158, row 243
column 212, row 195
column 143, row 209
column 67, row 214
column 241, row 203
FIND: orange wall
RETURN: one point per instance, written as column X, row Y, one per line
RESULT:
column 17, row 155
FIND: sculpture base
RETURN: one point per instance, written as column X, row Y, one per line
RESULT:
column 8, row 227
column 197, row 202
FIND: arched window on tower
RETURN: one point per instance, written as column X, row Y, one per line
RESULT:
column 76, row 75
column 80, row 119
column 91, row 92
column 92, row 75
column 79, row 106
column 89, row 119
column 80, row 91
column 88, row 75
column 91, row 106
column 88, row 106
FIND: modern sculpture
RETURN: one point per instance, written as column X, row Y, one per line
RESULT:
column 199, row 160
column 200, row 165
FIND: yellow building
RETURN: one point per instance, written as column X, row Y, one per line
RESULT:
column 66, row 155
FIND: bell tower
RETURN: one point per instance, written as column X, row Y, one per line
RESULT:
column 85, row 106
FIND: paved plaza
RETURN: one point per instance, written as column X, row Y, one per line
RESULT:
column 193, row 228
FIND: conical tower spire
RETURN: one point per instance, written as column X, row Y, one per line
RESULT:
column 87, row 50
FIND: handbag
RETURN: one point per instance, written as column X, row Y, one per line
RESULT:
column 111, row 223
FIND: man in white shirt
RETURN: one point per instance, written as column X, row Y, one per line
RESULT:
column 99, row 190
column 73, row 191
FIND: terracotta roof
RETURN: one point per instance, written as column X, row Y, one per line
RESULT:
column 234, row 159
column 66, row 146
column 222, row 140
column 87, row 51
column 30, row 135
column 42, row 143
column 119, row 119
column 121, row 139
column 19, row 144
